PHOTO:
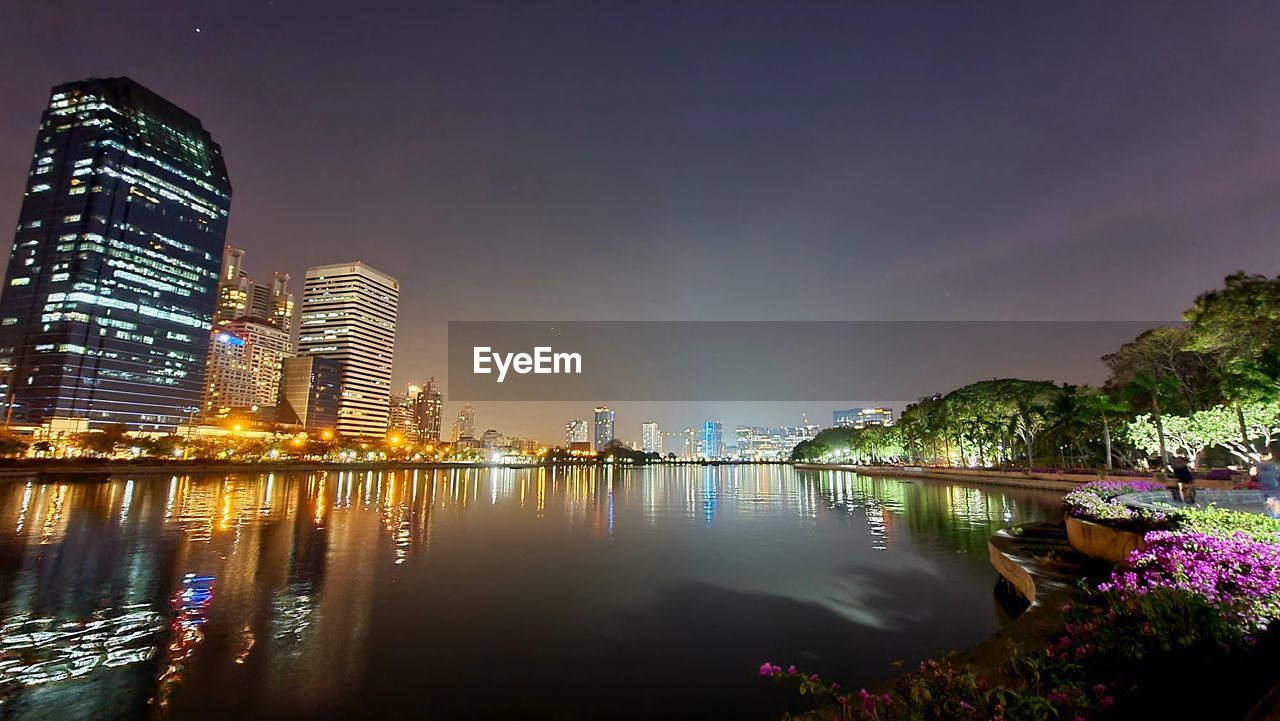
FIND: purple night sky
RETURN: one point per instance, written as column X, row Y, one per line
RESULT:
column 709, row 161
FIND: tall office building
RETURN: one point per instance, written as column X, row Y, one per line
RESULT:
column 228, row 380
column 465, row 425
column 349, row 313
column 266, row 347
column 429, row 410
column 234, row 287
column 112, row 281
column 239, row 297
column 310, row 393
column 273, row 303
column 402, row 420
column 712, row 439
column 604, row 427
column 577, row 431
column 650, row 437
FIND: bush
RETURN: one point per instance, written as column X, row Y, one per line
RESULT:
column 1097, row 501
column 1225, row 523
column 1186, row 595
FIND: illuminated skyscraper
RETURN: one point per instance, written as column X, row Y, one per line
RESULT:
column 650, row 437
column 465, row 425
column 712, row 439
column 239, row 297
column 112, row 281
column 349, row 313
column 228, row 380
column 257, row 347
column 310, row 393
column 430, row 410
column 604, row 427
column 577, row 431
column 401, row 418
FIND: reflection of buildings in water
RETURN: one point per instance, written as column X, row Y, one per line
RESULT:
column 186, row 632
column 297, row 556
column 36, row 651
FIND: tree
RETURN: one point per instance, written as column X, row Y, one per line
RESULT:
column 1065, row 417
column 11, row 444
column 1237, row 328
column 1100, row 405
column 1162, row 354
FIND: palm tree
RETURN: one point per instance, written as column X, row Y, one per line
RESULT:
column 1100, row 405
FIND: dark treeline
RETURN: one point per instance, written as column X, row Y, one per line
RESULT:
column 1208, row 389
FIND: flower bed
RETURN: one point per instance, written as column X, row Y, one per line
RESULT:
column 1097, row 502
column 1209, row 587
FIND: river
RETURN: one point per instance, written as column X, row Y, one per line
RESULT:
column 554, row 593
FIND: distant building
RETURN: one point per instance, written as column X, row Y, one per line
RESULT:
column 239, row 297
column 266, row 347
column 429, row 410
column 862, row 417
column 402, row 419
column 228, row 380
column 349, row 314
column 112, row 278
column 465, row 425
column 577, row 431
column 769, row 442
column 650, row 437
column 310, row 393
column 692, row 444
column 604, row 433
column 491, row 438
column 712, row 439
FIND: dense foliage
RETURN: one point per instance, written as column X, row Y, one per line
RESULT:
column 1211, row 385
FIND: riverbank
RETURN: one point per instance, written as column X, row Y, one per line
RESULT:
column 25, row 469
column 1062, row 482
column 135, row 468
column 1037, row 481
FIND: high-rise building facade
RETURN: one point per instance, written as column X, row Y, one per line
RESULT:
column 712, row 439
column 604, row 427
column 650, row 437
column 112, row 280
column 310, row 393
column 402, row 416
column 577, row 431
column 266, row 347
column 234, row 287
column 349, row 314
column 239, row 297
column 228, row 380
column 429, row 410
column 465, row 425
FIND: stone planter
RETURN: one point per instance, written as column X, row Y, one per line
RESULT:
column 1104, row 542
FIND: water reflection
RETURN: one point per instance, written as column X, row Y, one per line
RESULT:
column 291, row 594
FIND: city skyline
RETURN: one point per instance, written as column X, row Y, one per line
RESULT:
column 861, row 171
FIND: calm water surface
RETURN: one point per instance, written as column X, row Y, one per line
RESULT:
column 531, row 594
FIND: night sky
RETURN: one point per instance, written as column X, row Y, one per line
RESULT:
column 707, row 160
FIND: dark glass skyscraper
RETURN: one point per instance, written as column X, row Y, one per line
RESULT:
column 112, row 281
